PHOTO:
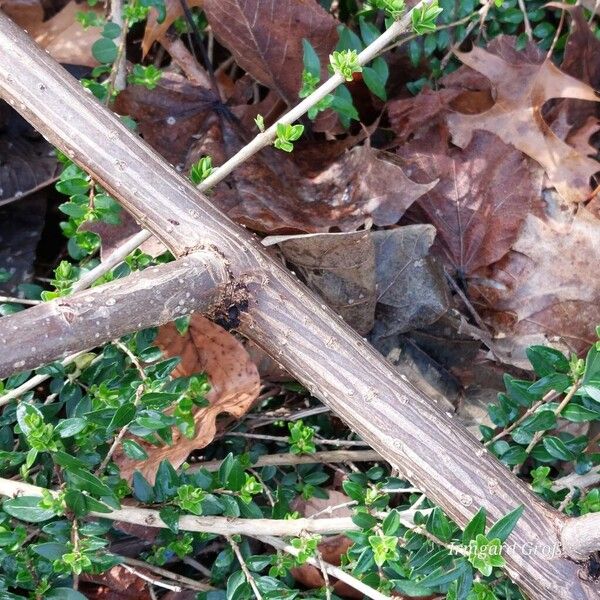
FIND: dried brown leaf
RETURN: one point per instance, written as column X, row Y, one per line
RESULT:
column 116, row 584
column 364, row 184
column 545, row 291
column 64, row 37
column 522, row 86
column 28, row 162
column 170, row 115
column 235, row 384
column 265, row 38
column 411, row 290
column 28, row 14
column 484, row 193
column 340, row 267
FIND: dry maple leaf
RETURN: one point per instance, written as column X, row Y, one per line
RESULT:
column 235, row 384
column 265, row 38
column 544, row 292
column 521, row 89
column 483, row 195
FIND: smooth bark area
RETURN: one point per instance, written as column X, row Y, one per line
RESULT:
column 157, row 295
column 430, row 447
column 580, row 536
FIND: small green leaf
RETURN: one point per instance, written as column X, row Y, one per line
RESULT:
column 391, row 523
column 111, row 30
column 87, row 482
column 503, row 527
column 579, row 414
column 133, row 450
column 364, row 520
column 70, row 427
column 556, row 448
column 170, row 515
column 123, row 416
column 374, row 82
column 104, row 50
column 64, row 593
column 27, row 508
column 311, row 60
column 142, row 489
column 475, row 526
column 558, row 382
column 546, row 361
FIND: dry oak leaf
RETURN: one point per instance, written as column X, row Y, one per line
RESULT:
column 235, row 384
column 155, row 30
column 544, row 292
column 581, row 60
column 521, row 88
column 265, row 38
column 483, row 195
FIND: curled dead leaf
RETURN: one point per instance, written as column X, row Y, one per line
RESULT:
column 235, row 384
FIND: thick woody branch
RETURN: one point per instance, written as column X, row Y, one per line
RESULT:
column 157, row 295
column 431, row 448
column 580, row 536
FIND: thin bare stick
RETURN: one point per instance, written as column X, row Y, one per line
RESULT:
column 526, row 22
column 183, row 58
column 330, row 456
column 551, row 395
column 156, row 582
column 116, row 257
column 36, row 380
column 191, row 584
column 334, row 571
column 244, row 566
column 284, row 439
column 219, row 525
column 574, row 480
column 14, row 300
column 539, row 434
column 117, row 80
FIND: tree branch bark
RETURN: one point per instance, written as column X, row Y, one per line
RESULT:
column 580, row 536
column 430, row 447
column 157, row 295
